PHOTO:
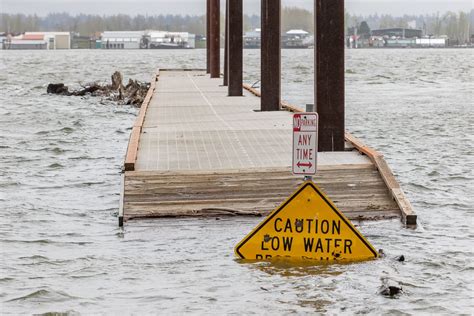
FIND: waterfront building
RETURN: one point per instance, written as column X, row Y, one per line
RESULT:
column 297, row 39
column 3, row 38
column 400, row 42
column 147, row 39
column 200, row 41
column 291, row 39
column 54, row 40
column 38, row 40
column 83, row 42
column 170, row 40
column 122, row 39
column 398, row 32
column 252, row 39
column 425, row 42
column 25, row 44
column 431, row 42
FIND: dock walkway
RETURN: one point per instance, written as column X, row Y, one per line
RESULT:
column 194, row 151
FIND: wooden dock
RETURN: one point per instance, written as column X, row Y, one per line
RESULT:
column 194, row 151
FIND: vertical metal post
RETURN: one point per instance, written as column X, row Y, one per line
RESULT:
column 226, row 45
column 215, row 38
column 309, row 109
column 122, row 188
column 208, row 31
column 329, row 73
column 271, row 55
column 235, row 47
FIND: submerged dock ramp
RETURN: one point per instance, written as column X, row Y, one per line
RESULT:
column 194, row 151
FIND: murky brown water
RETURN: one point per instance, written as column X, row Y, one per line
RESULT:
column 60, row 159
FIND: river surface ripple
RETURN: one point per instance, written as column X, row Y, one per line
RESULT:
column 60, row 159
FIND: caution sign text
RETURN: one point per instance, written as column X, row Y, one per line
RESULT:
column 307, row 226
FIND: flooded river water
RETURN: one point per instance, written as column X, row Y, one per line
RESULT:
column 60, row 161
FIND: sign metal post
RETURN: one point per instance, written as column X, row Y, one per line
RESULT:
column 310, row 108
column 305, row 144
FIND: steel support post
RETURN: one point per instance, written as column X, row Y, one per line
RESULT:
column 235, row 47
column 329, row 73
column 271, row 55
column 208, row 42
column 226, row 45
column 215, row 38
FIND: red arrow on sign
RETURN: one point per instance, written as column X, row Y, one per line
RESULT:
column 309, row 164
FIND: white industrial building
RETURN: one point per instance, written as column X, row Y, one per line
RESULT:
column 431, row 42
column 122, row 40
column 253, row 39
column 147, row 39
column 38, row 40
column 54, row 40
column 25, row 44
column 297, row 39
column 170, row 40
column 2, row 39
column 298, row 33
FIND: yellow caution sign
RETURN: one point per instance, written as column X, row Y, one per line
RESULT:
column 306, row 226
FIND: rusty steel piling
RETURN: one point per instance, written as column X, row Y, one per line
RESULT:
column 235, row 48
column 208, row 30
column 329, row 73
column 271, row 55
column 215, row 38
column 226, row 45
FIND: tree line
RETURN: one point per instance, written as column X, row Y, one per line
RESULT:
column 89, row 24
column 456, row 25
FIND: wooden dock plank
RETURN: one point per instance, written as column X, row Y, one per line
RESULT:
column 133, row 144
column 132, row 150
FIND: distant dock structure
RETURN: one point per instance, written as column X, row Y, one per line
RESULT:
column 202, row 148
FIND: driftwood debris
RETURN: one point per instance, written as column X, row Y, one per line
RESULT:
column 131, row 94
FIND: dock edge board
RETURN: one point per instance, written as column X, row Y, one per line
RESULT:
column 132, row 149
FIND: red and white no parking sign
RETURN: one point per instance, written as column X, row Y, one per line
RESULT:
column 305, row 143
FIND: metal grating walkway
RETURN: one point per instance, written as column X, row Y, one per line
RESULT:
column 191, row 124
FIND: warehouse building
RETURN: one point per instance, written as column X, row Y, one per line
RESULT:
column 25, row 44
column 38, row 40
column 398, row 32
column 122, row 40
column 170, row 40
column 54, row 40
column 253, row 39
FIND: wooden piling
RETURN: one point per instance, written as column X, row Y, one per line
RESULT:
column 271, row 55
column 329, row 73
column 235, row 48
column 215, row 38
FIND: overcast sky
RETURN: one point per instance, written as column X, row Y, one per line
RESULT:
column 193, row 7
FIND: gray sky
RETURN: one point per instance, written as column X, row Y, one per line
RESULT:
column 193, row 7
